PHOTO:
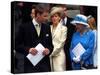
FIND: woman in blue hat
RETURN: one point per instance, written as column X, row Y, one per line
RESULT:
column 82, row 44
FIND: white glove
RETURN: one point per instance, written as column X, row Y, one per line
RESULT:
column 76, row 59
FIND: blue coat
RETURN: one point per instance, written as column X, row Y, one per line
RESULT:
column 87, row 41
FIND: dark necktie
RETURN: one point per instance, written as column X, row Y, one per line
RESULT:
column 63, row 20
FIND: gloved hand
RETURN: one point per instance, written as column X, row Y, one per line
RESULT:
column 76, row 59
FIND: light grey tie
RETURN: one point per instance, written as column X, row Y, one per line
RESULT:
column 37, row 26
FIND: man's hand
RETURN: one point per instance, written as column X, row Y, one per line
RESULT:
column 33, row 51
column 46, row 51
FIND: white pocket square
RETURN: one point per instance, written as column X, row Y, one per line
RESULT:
column 47, row 35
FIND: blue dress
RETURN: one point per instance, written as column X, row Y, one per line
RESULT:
column 87, row 41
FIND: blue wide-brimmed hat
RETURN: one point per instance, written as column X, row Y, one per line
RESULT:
column 80, row 19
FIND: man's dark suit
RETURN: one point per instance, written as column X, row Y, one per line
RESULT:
column 71, row 30
column 26, row 38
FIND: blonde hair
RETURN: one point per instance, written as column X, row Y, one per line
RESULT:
column 56, row 10
column 92, row 23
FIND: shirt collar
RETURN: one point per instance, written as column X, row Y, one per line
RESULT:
column 65, row 19
column 35, row 22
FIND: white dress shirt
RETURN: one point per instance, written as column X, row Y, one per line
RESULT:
column 37, row 26
column 64, row 21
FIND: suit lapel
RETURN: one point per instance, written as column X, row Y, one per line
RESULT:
column 34, row 32
column 41, row 31
column 68, row 21
column 56, row 30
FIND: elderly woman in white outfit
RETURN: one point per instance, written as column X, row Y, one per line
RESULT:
column 59, row 33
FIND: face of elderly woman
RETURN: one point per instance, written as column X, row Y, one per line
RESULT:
column 80, row 27
column 55, row 19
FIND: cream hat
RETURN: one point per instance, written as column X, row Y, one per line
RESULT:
column 55, row 10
